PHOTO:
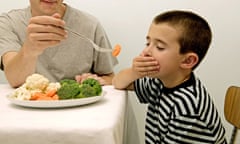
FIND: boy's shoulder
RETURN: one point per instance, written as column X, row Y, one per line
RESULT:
column 191, row 96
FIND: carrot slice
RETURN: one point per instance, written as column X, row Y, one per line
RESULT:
column 55, row 97
column 44, row 98
column 116, row 50
column 51, row 93
column 36, row 95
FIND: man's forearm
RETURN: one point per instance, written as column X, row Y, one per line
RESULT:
column 18, row 67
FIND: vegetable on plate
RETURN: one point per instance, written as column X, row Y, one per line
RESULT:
column 70, row 89
column 37, row 87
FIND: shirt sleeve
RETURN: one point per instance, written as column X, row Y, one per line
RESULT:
column 9, row 40
column 147, row 89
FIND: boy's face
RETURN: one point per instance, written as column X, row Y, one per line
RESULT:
column 162, row 44
column 45, row 7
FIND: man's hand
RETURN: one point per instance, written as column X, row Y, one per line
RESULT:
column 81, row 78
column 44, row 32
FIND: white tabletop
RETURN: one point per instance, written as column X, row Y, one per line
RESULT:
column 98, row 123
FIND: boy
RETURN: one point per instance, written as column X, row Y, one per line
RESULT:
column 180, row 109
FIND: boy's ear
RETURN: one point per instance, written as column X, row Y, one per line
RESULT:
column 189, row 61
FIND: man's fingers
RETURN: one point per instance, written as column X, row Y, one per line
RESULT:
column 56, row 15
column 35, row 28
column 47, row 20
column 81, row 78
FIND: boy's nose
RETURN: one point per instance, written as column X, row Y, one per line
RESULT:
column 147, row 51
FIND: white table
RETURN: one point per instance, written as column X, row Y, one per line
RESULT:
column 98, row 123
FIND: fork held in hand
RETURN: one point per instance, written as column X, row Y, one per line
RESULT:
column 114, row 51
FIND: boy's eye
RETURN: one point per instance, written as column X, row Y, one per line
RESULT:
column 160, row 48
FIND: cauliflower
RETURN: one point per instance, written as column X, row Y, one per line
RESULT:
column 33, row 84
column 22, row 93
column 36, row 81
column 53, row 86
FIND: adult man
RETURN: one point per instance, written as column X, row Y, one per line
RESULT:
column 33, row 40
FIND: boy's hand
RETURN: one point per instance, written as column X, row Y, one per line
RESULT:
column 145, row 65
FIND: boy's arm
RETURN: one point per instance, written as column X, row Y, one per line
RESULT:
column 124, row 79
column 141, row 66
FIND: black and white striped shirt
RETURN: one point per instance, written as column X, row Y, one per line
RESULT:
column 184, row 114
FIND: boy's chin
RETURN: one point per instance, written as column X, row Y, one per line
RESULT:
column 153, row 75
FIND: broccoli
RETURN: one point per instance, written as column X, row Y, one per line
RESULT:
column 67, row 81
column 70, row 89
column 97, row 88
column 86, row 91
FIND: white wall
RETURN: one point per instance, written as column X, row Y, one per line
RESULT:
column 127, row 21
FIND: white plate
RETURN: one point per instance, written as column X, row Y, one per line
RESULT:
column 56, row 103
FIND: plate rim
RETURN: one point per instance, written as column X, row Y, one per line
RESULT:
column 56, row 103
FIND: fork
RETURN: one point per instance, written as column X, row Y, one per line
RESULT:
column 114, row 51
column 96, row 47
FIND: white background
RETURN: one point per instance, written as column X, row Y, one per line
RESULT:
column 127, row 21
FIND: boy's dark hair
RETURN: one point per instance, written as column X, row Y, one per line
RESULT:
column 196, row 33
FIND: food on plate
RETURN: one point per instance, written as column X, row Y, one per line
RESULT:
column 38, row 87
column 34, row 86
column 36, row 82
column 70, row 89
column 90, row 87
column 48, row 95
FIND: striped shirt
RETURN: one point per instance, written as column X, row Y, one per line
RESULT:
column 183, row 114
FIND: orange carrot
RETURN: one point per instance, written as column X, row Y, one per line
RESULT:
column 51, row 93
column 36, row 95
column 55, row 97
column 116, row 50
column 44, row 98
